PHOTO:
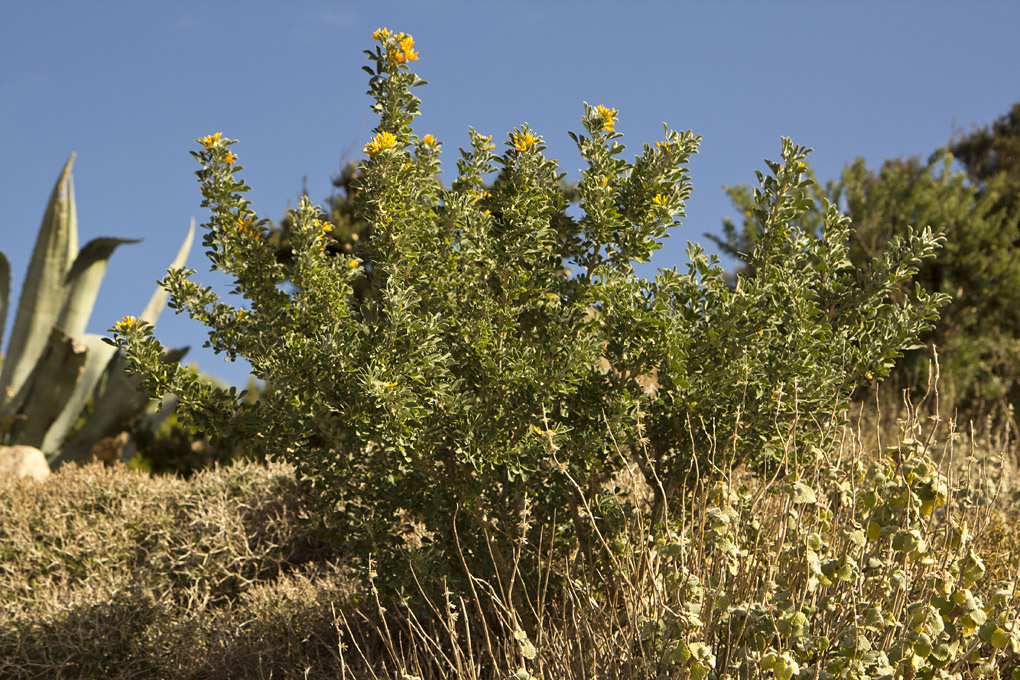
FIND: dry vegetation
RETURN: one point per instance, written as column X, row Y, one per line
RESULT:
column 109, row 572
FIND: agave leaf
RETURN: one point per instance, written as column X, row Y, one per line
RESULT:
column 158, row 299
column 82, row 283
column 50, row 385
column 5, row 296
column 42, row 295
column 120, row 398
column 96, row 362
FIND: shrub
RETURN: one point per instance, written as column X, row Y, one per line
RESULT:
column 978, row 210
column 509, row 362
column 108, row 572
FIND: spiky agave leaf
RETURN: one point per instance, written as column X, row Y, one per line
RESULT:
column 42, row 296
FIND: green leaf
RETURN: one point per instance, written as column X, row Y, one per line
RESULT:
column 83, row 281
column 97, row 359
column 5, row 296
column 42, row 296
column 527, row 649
column 801, row 493
column 50, row 386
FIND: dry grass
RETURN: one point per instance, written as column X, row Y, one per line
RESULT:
column 106, row 572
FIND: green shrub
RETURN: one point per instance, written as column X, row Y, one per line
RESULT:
column 171, row 445
column 978, row 210
column 510, row 361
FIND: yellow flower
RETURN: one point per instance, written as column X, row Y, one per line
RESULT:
column 351, row 264
column 523, row 141
column 231, row 158
column 381, row 142
column 323, row 229
column 407, row 52
column 381, row 34
column 210, row 141
column 404, row 49
column 124, row 324
column 608, row 117
column 246, row 226
column 428, row 140
column 660, row 199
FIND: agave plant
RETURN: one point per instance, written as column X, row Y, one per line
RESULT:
column 53, row 370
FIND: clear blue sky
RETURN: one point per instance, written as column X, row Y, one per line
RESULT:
column 130, row 85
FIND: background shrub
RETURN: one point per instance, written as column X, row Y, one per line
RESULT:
column 971, row 191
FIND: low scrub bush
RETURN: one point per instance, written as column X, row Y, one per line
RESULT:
column 108, row 572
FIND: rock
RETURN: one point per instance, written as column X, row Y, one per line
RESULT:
column 23, row 461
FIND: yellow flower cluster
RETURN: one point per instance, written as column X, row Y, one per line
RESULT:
column 428, row 140
column 381, row 142
column 660, row 199
column 246, row 226
column 124, row 324
column 322, row 228
column 210, row 141
column 477, row 195
column 523, row 141
column 231, row 158
column 608, row 117
column 404, row 50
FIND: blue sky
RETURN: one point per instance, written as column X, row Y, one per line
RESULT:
column 130, row 85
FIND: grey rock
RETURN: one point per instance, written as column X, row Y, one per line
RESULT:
column 23, row 461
